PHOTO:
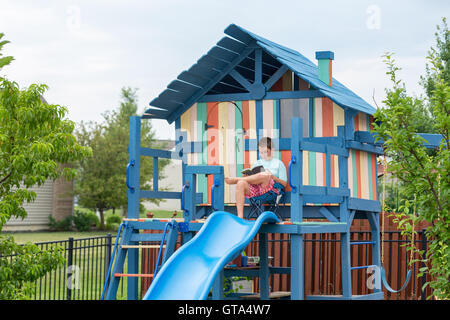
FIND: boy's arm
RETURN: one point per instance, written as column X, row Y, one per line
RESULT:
column 282, row 173
column 282, row 182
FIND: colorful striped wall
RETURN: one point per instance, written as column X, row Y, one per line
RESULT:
column 362, row 175
column 232, row 122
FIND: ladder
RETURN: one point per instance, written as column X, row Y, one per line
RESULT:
column 132, row 239
column 377, row 265
column 382, row 273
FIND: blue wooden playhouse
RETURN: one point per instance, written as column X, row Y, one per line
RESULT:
column 244, row 88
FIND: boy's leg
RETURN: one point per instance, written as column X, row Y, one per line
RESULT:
column 242, row 188
column 261, row 178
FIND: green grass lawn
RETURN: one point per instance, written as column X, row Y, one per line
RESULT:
column 34, row 237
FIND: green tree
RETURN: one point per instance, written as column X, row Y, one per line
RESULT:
column 442, row 51
column 35, row 138
column 101, row 184
column 424, row 176
column 424, row 118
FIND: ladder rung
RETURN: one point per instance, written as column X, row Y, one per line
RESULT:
column 140, row 275
column 364, row 267
column 152, row 219
column 362, row 242
column 141, row 246
column 145, row 237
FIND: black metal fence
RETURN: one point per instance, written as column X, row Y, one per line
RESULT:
column 83, row 275
column 322, row 264
column 87, row 262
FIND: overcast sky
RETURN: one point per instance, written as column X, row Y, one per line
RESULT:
column 86, row 51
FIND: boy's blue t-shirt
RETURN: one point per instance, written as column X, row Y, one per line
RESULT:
column 275, row 166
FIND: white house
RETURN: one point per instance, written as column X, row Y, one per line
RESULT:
column 52, row 198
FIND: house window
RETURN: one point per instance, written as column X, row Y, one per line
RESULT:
column 293, row 108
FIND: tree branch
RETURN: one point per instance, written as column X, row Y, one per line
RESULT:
column 6, row 177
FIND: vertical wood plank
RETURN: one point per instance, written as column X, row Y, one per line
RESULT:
column 231, row 149
column 252, row 128
column 213, row 140
column 246, row 127
column 186, row 126
column 202, row 158
column 223, row 147
column 276, row 126
column 239, row 139
column 193, row 132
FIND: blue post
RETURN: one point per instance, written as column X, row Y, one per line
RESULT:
column 350, row 123
column 296, row 174
column 155, row 173
column 217, row 289
column 180, row 139
column 327, row 167
column 133, row 195
column 219, row 192
column 297, row 272
column 374, row 221
column 343, row 209
column 189, row 196
column 346, row 264
column 263, row 267
column 343, row 176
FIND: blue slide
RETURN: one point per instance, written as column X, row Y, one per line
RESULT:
column 190, row 272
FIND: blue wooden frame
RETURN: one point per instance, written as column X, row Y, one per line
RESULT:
column 340, row 217
column 235, row 60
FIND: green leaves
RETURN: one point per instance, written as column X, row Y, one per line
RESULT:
column 22, row 265
column 4, row 60
column 35, row 141
column 422, row 174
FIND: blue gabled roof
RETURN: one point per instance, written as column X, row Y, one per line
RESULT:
column 305, row 69
column 208, row 72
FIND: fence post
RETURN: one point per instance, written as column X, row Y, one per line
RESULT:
column 108, row 250
column 424, row 276
column 108, row 255
column 69, row 269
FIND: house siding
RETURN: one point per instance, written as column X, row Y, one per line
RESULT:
column 38, row 211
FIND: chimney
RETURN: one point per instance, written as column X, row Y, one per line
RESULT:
column 325, row 66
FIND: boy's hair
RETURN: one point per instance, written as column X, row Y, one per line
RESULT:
column 265, row 142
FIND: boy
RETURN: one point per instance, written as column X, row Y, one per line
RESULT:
column 260, row 183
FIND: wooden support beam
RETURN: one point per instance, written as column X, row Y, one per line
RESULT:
column 133, row 275
column 275, row 77
column 142, row 246
column 239, row 78
column 327, row 214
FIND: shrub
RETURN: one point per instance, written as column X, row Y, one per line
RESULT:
column 113, row 221
column 83, row 221
column 60, row 225
column 114, row 218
